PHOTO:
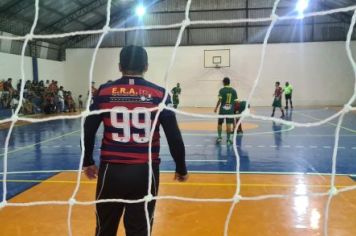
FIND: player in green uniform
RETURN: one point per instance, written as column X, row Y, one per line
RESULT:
column 288, row 90
column 176, row 92
column 227, row 97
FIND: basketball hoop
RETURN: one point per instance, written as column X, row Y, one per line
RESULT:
column 218, row 58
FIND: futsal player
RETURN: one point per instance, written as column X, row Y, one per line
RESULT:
column 176, row 92
column 124, row 169
column 239, row 107
column 225, row 104
column 277, row 101
column 288, row 90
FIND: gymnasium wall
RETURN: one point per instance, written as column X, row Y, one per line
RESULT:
column 10, row 67
column 319, row 72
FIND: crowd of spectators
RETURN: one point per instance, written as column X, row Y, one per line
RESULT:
column 39, row 97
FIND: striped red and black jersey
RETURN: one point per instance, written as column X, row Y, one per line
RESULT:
column 278, row 92
column 126, row 135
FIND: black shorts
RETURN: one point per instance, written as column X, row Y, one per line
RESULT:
column 288, row 96
column 124, row 181
column 228, row 121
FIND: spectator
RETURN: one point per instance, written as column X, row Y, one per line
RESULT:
column 27, row 107
column 49, row 106
column 1, row 92
column 70, row 102
column 14, row 102
column 80, row 103
column 60, row 99
column 94, row 90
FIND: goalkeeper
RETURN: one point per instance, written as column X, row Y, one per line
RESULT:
column 124, row 157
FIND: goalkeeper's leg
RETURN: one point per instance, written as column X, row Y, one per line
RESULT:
column 220, row 123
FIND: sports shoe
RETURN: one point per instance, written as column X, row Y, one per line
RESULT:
column 228, row 142
column 218, row 140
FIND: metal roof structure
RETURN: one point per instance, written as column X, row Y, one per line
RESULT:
column 56, row 17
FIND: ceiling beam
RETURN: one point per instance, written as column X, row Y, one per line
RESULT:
column 13, row 27
column 115, row 18
column 14, row 5
column 16, row 8
column 11, row 24
column 61, row 14
column 216, row 10
column 340, row 16
column 82, row 5
column 10, row 19
column 73, row 16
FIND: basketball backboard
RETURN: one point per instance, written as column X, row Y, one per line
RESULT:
column 217, row 58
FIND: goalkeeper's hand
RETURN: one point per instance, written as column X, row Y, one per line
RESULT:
column 91, row 171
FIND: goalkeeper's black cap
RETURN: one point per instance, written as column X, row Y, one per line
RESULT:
column 133, row 58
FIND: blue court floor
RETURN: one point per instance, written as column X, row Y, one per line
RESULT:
column 40, row 150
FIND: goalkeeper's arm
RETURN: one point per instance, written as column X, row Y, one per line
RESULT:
column 176, row 145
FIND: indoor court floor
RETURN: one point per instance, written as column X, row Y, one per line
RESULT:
column 274, row 159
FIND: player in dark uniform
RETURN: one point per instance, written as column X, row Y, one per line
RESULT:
column 277, row 102
column 239, row 107
column 176, row 92
column 227, row 97
column 123, row 171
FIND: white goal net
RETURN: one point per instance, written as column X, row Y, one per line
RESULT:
column 273, row 19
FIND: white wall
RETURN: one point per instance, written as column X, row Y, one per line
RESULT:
column 319, row 72
column 10, row 67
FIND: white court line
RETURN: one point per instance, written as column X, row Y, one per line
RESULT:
column 265, row 146
column 214, row 145
column 38, row 172
column 206, row 160
column 330, row 123
column 44, row 141
column 260, row 173
column 245, row 134
column 193, row 171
